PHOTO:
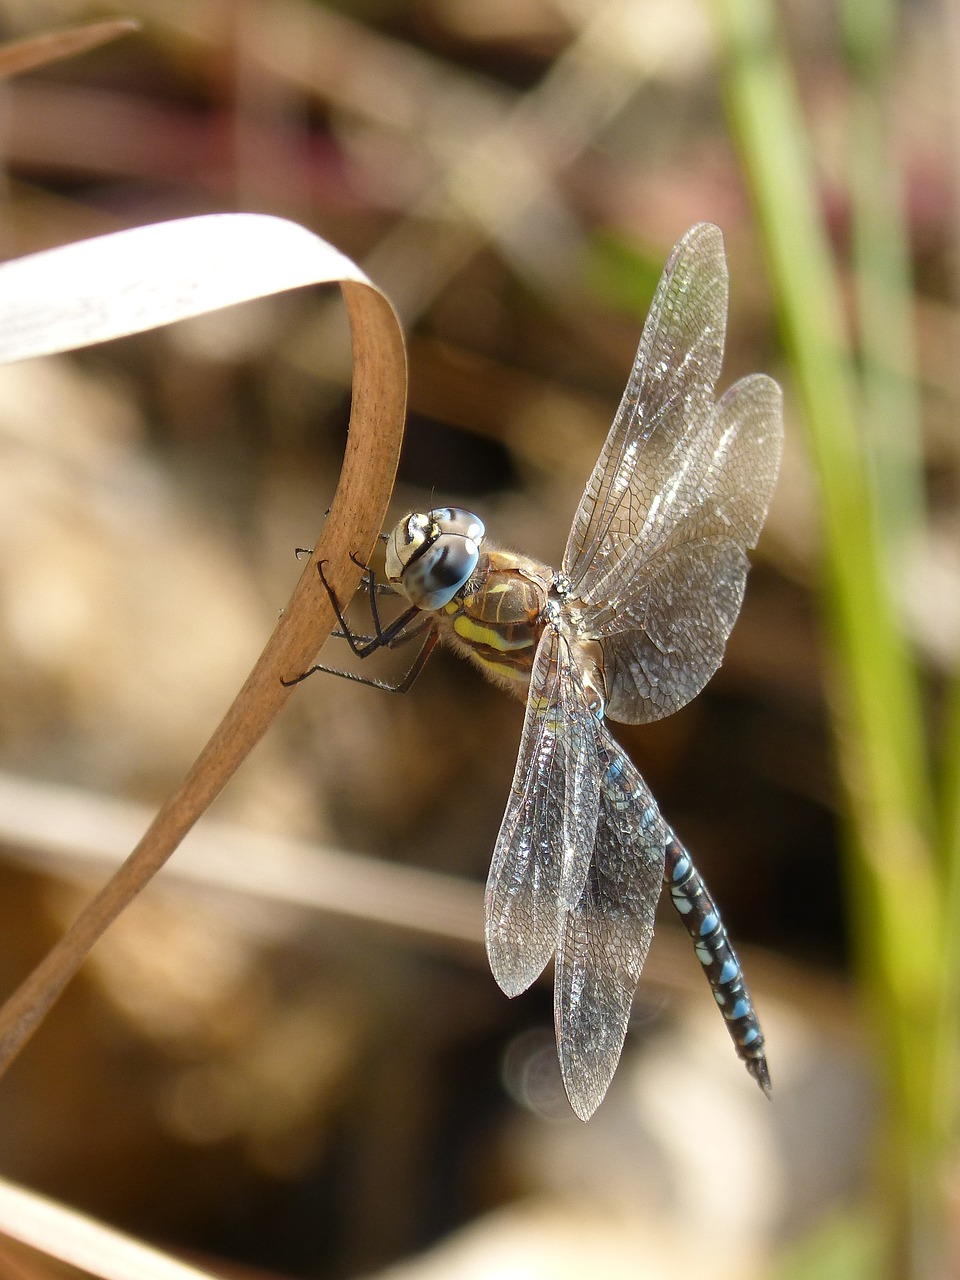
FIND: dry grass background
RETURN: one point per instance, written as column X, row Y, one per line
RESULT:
column 295, row 1068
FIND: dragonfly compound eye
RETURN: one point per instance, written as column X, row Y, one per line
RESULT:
column 411, row 536
column 459, row 521
column 436, row 575
column 430, row 556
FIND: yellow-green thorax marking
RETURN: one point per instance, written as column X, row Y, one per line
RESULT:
column 497, row 617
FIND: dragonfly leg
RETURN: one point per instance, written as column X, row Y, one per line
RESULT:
column 370, row 582
column 700, row 916
column 405, row 636
column 384, row 637
column 399, row 632
column 419, row 662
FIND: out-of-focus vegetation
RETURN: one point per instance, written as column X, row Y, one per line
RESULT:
column 333, row 1092
column 858, row 384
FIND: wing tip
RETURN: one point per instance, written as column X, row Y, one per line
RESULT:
column 702, row 235
column 584, row 1092
column 512, row 968
column 583, row 1108
column 588, row 1065
column 707, row 229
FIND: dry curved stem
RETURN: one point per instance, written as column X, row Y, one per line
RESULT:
column 137, row 280
column 51, row 46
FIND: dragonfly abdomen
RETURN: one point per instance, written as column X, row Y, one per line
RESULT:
column 628, row 793
column 700, row 916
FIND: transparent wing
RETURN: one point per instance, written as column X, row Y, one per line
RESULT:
column 604, row 939
column 656, row 558
column 665, row 408
column 549, row 828
column 664, row 632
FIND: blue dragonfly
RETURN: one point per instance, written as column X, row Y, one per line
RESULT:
column 630, row 629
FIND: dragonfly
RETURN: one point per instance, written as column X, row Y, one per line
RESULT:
column 630, row 629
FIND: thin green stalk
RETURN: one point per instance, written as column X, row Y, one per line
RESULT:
column 949, row 1017
column 948, row 1071
column 950, row 790
column 877, row 706
column 883, row 278
column 871, row 32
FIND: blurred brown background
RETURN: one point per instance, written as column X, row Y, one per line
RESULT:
column 319, row 1092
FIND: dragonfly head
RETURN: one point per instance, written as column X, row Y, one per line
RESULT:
column 430, row 555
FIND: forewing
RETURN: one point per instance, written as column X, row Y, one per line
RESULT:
column 604, row 939
column 656, row 435
column 664, row 630
column 549, row 828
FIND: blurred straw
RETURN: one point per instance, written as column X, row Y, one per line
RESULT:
column 66, row 830
column 52, row 46
column 492, row 159
column 71, row 833
column 83, row 1242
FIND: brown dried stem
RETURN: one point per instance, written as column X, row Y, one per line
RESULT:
column 363, row 492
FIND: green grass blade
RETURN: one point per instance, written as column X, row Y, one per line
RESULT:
column 876, row 702
column 948, row 1043
column 883, row 278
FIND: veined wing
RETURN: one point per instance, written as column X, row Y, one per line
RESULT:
column 604, row 939
column 656, row 558
column 664, row 630
column 656, row 437
column 549, row 828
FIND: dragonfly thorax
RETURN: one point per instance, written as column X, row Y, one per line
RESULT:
column 431, row 555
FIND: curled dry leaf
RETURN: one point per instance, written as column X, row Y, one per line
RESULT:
column 140, row 279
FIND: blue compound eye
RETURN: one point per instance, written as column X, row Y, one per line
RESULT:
column 435, row 577
column 431, row 556
column 458, row 521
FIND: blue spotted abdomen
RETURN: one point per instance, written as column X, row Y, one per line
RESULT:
column 700, row 916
